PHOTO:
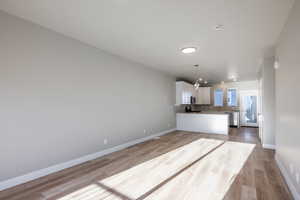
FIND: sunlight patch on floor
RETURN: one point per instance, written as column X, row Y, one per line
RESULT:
column 210, row 178
column 176, row 175
column 91, row 192
column 138, row 180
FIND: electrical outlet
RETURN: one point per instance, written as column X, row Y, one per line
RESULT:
column 297, row 178
column 105, row 141
column 145, row 131
column 169, row 125
column 291, row 168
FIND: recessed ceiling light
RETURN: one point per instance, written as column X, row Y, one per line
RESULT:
column 233, row 78
column 219, row 27
column 189, row 50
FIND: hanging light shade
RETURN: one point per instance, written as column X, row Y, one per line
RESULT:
column 198, row 81
column 197, row 85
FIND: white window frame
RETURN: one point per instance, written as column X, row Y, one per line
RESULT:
column 222, row 97
column 227, row 97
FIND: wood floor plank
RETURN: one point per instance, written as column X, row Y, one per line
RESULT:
column 275, row 181
column 248, row 193
column 210, row 178
column 263, row 191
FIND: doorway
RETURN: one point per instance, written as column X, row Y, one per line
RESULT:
column 249, row 104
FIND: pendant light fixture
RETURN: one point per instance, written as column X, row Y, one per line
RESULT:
column 199, row 81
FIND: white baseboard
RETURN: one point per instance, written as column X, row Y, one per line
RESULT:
column 287, row 178
column 269, row 146
column 46, row 171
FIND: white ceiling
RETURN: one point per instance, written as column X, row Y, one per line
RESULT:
column 152, row 32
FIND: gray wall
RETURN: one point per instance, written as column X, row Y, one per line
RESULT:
column 59, row 99
column 268, row 101
column 288, row 96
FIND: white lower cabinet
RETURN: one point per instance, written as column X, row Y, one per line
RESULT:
column 203, row 123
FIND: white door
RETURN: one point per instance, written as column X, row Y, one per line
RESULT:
column 249, row 108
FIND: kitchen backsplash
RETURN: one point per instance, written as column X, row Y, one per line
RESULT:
column 213, row 108
column 181, row 108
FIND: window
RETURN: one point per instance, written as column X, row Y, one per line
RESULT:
column 232, row 97
column 218, row 97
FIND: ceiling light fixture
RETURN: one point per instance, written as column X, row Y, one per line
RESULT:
column 219, row 27
column 233, row 78
column 188, row 50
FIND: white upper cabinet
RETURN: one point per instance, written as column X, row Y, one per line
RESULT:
column 203, row 95
column 184, row 91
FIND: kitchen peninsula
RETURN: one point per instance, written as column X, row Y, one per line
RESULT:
column 204, row 122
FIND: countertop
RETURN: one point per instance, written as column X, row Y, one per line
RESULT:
column 205, row 113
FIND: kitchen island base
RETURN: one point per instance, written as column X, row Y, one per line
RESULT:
column 216, row 123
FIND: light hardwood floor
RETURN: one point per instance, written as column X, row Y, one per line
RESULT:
column 259, row 178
